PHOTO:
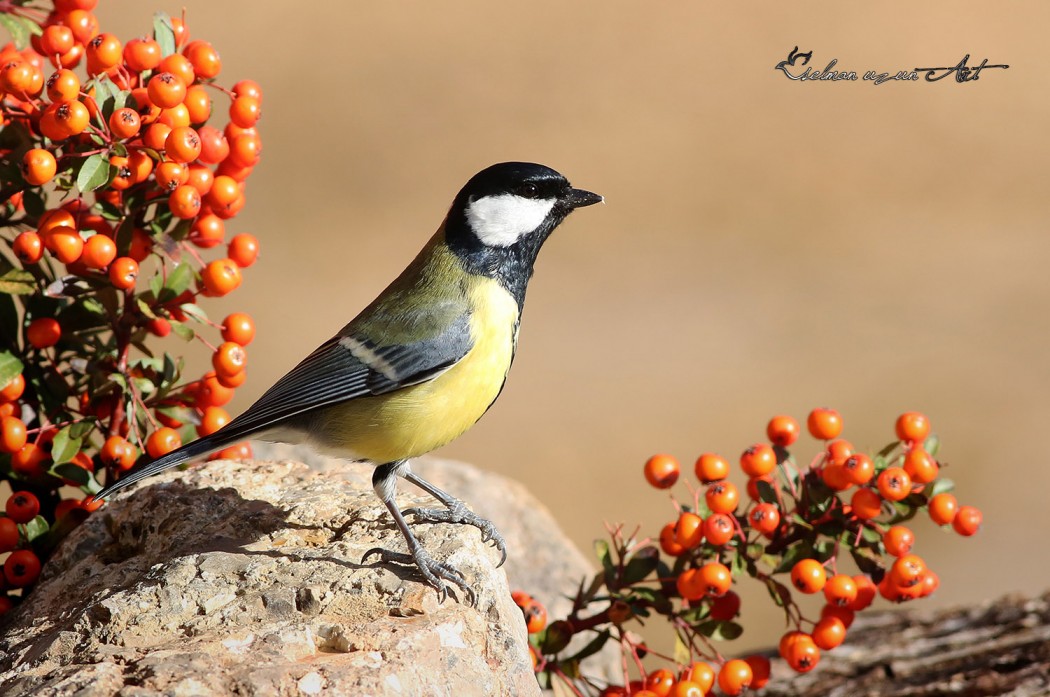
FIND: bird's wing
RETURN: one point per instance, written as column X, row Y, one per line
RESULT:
column 377, row 357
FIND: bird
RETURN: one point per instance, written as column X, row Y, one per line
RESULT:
column 422, row 363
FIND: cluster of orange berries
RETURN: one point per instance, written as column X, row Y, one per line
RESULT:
column 794, row 520
column 117, row 184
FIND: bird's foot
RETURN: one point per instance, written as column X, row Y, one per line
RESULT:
column 432, row 570
column 458, row 514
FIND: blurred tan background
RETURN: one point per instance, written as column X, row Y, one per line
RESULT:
column 767, row 246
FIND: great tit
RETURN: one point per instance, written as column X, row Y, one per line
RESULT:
column 422, row 363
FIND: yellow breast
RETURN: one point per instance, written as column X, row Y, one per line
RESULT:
column 417, row 419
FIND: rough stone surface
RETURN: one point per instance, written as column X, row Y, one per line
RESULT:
column 246, row 579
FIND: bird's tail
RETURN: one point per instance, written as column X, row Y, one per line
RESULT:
column 188, row 452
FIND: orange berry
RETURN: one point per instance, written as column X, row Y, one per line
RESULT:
column 243, row 249
column 765, row 518
column 859, row 469
column 719, row 529
column 690, row 584
column 184, row 202
column 920, row 465
column 62, row 85
column 840, row 590
column 119, row 452
column 240, row 451
column 907, row 570
column 866, row 591
column 245, row 111
column 166, row 90
column 142, row 54
column 171, row 175
column 56, row 40
column 214, row 146
column 702, row 674
column 943, row 508
column 198, row 106
column 752, row 485
column 898, row 540
column 782, row 430
column 711, row 468
column 248, row 88
column 824, row 423
column 125, row 123
column 239, row 328
column 29, row 461
column 758, row 460
column 43, row 332
column 13, row 389
column 12, row 434
column 156, row 136
column 660, row 682
column 839, row 451
column 229, row 359
column 233, row 379
column 866, row 504
column 661, row 471
column 103, row 52
column 71, row 117
column 28, row 247
column 201, row 178
column 212, row 393
column 182, row 144
column 808, row 576
column 715, row 578
column 179, row 66
column 760, row 670
column 535, row 616
column 828, row 633
column 204, row 59
column 162, row 441
column 207, row 231
column 689, row 532
column 140, row 164
column 684, row 688
column 668, row 541
column 22, row 506
column 912, row 427
column 38, row 166
column 123, row 273
column 845, row 614
column 722, row 497
column 245, row 149
column 836, row 477
column 83, row 23
column 803, row 654
column 735, row 677
column 9, row 537
column 22, row 568
column 725, row 607
column 99, row 252
column 967, row 521
column 894, row 484
column 224, row 191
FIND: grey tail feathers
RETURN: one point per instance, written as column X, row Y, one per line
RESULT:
column 190, row 451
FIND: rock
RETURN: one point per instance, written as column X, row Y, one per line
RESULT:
column 245, row 578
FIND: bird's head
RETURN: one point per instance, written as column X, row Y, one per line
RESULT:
column 502, row 216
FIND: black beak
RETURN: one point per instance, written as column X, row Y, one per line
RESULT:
column 578, row 198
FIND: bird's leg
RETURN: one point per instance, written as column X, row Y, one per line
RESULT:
column 384, row 481
column 455, row 512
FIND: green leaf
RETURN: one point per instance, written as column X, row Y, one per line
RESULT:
column 36, row 527
column 182, row 331
column 794, row 554
column 74, row 473
column 20, row 28
column 17, row 282
column 180, row 279
column 164, row 33
column 682, row 654
column 642, row 563
column 10, row 367
column 194, row 312
column 766, row 492
column 593, row 646
column 33, row 202
column 932, row 444
column 64, row 448
column 601, row 550
column 720, row 630
column 94, row 173
column 145, row 386
column 939, row 486
column 869, row 563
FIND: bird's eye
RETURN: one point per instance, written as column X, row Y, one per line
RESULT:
column 528, row 191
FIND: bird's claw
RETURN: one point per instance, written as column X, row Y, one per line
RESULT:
column 458, row 514
column 433, row 571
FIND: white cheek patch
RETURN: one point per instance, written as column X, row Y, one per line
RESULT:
column 500, row 221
